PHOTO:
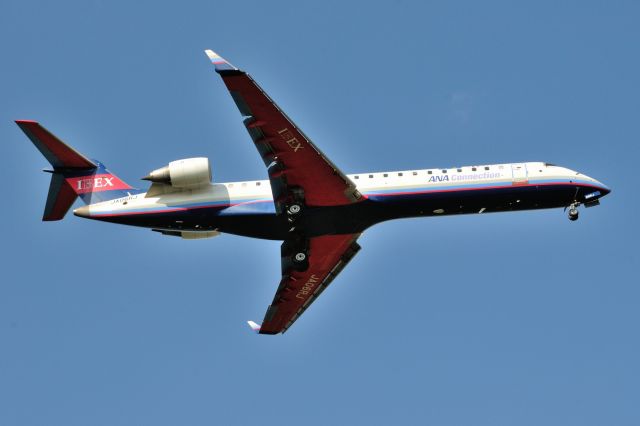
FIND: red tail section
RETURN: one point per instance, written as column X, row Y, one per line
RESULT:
column 73, row 174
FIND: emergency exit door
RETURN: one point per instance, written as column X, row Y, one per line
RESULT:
column 519, row 172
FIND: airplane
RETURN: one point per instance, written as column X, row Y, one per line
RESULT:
column 307, row 202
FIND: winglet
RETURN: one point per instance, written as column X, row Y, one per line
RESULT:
column 219, row 62
column 255, row 327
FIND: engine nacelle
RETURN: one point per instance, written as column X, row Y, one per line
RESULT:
column 187, row 173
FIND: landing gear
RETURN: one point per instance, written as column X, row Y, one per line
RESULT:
column 573, row 212
column 300, row 261
column 295, row 253
column 293, row 211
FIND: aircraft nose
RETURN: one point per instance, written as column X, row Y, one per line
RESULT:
column 598, row 190
column 83, row 211
column 604, row 189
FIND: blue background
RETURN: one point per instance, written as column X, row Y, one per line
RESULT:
column 498, row 319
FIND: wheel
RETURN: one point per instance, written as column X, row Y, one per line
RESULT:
column 573, row 214
column 294, row 209
column 300, row 257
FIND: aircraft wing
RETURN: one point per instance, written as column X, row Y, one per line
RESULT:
column 302, row 283
column 298, row 170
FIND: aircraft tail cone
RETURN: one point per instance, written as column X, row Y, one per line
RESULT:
column 83, row 211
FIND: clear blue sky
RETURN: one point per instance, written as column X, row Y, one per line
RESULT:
column 501, row 319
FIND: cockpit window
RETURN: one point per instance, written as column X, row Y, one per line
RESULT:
column 549, row 165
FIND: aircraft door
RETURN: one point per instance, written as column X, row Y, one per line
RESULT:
column 519, row 173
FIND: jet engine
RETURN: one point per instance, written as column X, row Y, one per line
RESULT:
column 188, row 173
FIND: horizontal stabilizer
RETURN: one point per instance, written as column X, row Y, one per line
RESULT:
column 59, row 154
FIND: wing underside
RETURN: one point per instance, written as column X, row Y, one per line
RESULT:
column 301, row 284
column 297, row 169
column 300, row 176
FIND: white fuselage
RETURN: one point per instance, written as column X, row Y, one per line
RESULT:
column 369, row 184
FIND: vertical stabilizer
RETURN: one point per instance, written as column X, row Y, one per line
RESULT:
column 73, row 174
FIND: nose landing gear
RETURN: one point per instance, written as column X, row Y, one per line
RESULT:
column 573, row 212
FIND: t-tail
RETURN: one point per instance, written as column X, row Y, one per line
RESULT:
column 73, row 174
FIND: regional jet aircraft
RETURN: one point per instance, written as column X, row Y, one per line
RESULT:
column 308, row 202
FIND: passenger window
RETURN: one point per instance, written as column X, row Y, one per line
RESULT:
column 444, row 171
column 473, row 169
column 258, row 183
column 459, row 170
column 429, row 172
column 399, row 174
column 385, row 175
column 415, row 173
column 486, row 167
column 356, row 177
column 370, row 176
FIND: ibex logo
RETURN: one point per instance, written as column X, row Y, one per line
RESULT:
column 290, row 140
column 96, row 183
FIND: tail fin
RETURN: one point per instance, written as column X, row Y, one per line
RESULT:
column 73, row 174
